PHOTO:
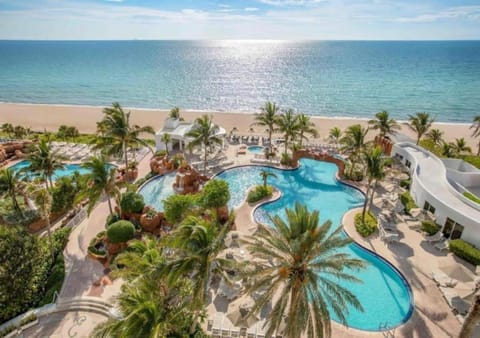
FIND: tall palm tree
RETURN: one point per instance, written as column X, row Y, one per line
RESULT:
column 447, row 149
column 204, row 133
column 101, row 180
column 43, row 200
column 335, row 134
column 384, row 124
column 44, row 161
column 472, row 319
column 150, row 308
column 166, row 138
column 305, row 126
column 476, row 130
column 375, row 170
column 11, row 185
column 420, row 123
column 288, row 125
column 116, row 133
column 298, row 265
column 174, row 113
column 435, row 135
column 460, row 146
column 267, row 118
column 265, row 174
column 353, row 143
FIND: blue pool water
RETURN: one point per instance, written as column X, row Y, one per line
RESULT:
column 158, row 189
column 68, row 170
column 255, row 149
column 385, row 297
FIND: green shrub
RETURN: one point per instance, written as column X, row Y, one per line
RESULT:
column 15, row 218
column 132, row 203
column 112, row 218
column 472, row 159
column 60, row 239
column 258, row 193
column 367, row 227
column 465, row 250
column 430, row 227
column 407, row 201
column 161, row 153
column 215, row 194
column 120, row 231
column 471, row 197
column 175, row 207
column 63, row 194
column 406, row 183
column 286, row 159
column 54, row 280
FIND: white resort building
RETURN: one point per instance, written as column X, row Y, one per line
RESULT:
column 178, row 130
column 438, row 186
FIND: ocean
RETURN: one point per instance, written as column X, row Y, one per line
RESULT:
column 325, row 78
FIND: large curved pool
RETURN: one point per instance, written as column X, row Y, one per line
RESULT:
column 67, row 170
column 384, row 294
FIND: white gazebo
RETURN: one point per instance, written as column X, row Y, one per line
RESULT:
column 177, row 130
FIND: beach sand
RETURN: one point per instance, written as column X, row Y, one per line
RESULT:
column 41, row 117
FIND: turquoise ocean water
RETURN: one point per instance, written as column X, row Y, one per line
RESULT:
column 330, row 78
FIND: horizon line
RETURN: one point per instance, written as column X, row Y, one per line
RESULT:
column 246, row 39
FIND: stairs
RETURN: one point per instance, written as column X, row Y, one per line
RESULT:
column 85, row 303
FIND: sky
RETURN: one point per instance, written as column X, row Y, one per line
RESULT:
column 236, row 19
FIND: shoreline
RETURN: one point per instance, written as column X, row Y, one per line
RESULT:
column 49, row 117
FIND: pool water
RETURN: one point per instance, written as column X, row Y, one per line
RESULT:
column 68, row 170
column 255, row 149
column 157, row 190
column 385, row 297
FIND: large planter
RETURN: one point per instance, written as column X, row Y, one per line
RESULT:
column 222, row 214
column 114, row 248
column 131, row 175
column 150, row 223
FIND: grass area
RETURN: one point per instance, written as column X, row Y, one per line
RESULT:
column 471, row 197
column 367, row 227
column 437, row 150
column 258, row 193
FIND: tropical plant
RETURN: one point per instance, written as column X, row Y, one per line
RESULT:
column 66, row 191
column 174, row 113
column 8, row 129
column 476, row 130
column 267, row 118
column 166, row 138
column 460, row 146
column 335, row 134
column 287, row 124
column 65, row 132
column 435, row 135
column 420, row 123
column 215, row 194
column 11, row 185
column 20, row 132
column 131, row 203
column 447, row 149
column 305, row 126
column 204, row 133
column 384, row 124
column 375, row 171
column 43, row 200
column 294, row 263
column 265, row 174
column 44, row 161
column 101, row 181
column 116, row 134
column 353, row 143
column 176, row 207
column 120, row 231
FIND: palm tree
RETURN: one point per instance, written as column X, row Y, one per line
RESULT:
column 116, row 133
column 460, row 146
column 420, row 123
column 472, row 318
column 43, row 200
column 288, row 125
column 204, row 133
column 476, row 130
column 335, row 134
column 166, row 138
column 8, row 129
column 297, row 263
column 305, row 126
column 44, row 161
column 353, row 143
column 11, row 185
column 435, row 135
column 384, row 124
column 267, row 118
column 150, row 308
column 101, row 180
column 174, row 113
column 265, row 174
column 375, row 164
column 447, row 149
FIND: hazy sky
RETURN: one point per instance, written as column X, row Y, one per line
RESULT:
column 235, row 19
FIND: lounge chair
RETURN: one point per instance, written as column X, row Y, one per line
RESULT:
column 442, row 246
column 435, row 238
column 442, row 279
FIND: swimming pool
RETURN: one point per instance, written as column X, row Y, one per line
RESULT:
column 384, row 294
column 255, row 149
column 68, row 170
column 158, row 189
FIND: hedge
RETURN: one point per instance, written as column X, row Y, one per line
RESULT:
column 120, row 231
column 430, row 227
column 405, row 183
column 471, row 197
column 258, row 193
column 132, row 203
column 407, row 201
column 368, row 227
column 465, row 250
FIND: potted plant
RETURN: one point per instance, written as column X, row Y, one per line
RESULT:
column 150, row 220
column 131, row 172
column 118, row 234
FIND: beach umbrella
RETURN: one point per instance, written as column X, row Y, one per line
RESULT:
column 239, row 312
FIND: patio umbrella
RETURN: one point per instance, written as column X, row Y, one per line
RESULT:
column 239, row 312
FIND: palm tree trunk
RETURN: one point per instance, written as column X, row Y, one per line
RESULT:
column 125, row 154
column 109, row 205
column 50, row 181
column 301, row 139
column 371, row 199
column 49, row 233
column 472, row 318
column 366, row 201
column 270, row 137
column 418, row 139
column 286, row 144
column 205, row 161
column 478, row 150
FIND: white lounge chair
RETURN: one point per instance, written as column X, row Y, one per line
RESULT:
column 442, row 246
column 442, row 279
column 435, row 238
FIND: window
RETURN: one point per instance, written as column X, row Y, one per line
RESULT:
column 408, row 163
column 452, row 229
column 427, row 206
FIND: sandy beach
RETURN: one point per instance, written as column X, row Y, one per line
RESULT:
column 41, row 117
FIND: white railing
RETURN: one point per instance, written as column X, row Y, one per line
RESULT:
column 78, row 218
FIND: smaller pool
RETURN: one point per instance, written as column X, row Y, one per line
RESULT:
column 157, row 190
column 68, row 170
column 255, row 149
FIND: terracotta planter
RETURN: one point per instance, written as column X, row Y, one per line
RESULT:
column 150, row 223
column 114, row 248
column 131, row 175
column 222, row 214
